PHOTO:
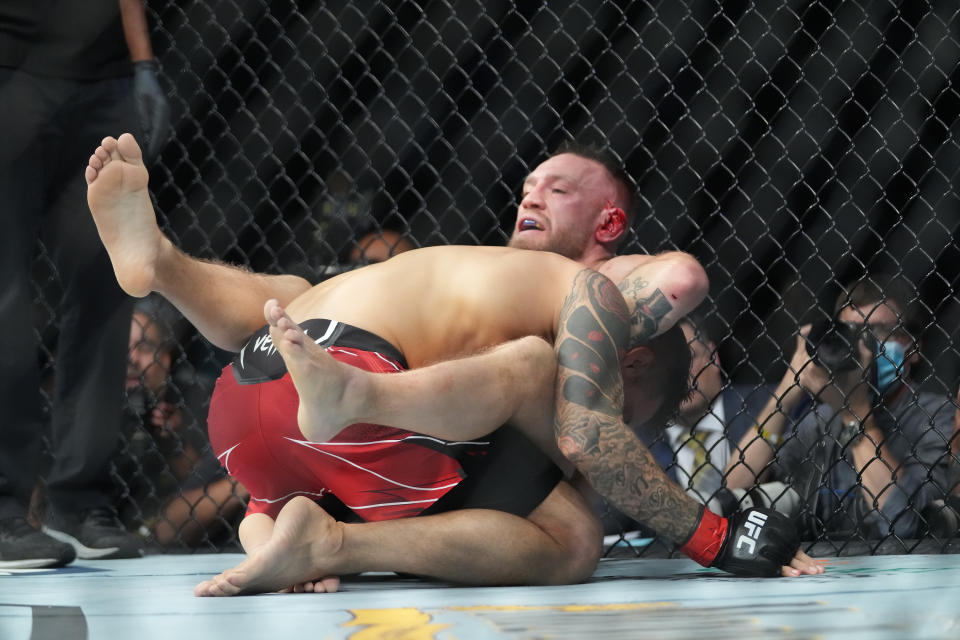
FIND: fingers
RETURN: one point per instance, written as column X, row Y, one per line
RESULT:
column 802, row 338
column 802, row 564
column 801, row 358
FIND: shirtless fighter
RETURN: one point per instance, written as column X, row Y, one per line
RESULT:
column 466, row 299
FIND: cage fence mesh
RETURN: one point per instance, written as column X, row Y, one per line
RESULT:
column 791, row 147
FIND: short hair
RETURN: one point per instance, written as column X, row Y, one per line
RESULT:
column 614, row 167
column 702, row 328
column 392, row 223
column 671, row 358
column 870, row 290
column 165, row 319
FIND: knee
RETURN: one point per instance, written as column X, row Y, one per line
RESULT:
column 582, row 543
column 586, row 551
column 537, row 359
column 569, row 521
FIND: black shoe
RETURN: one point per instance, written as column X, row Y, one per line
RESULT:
column 96, row 534
column 23, row 547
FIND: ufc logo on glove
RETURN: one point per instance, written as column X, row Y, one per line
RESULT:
column 753, row 527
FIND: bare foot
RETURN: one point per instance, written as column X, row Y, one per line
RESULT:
column 121, row 207
column 305, row 538
column 331, row 393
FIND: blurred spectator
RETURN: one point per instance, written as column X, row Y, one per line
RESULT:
column 70, row 74
column 371, row 244
column 871, row 452
column 714, row 417
column 176, row 490
column 376, row 245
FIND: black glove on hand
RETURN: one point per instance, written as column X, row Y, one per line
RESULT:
column 152, row 106
column 758, row 543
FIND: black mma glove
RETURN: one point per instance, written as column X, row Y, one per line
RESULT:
column 152, row 106
column 755, row 542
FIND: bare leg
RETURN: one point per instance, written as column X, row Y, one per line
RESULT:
column 454, row 400
column 558, row 544
column 225, row 303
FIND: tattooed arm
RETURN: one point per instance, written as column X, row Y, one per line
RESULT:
column 595, row 330
column 659, row 290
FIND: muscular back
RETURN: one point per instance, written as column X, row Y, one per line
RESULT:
column 442, row 302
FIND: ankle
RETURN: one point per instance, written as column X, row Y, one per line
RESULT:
column 359, row 395
column 325, row 550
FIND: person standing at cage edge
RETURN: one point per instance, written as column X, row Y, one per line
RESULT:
column 70, row 72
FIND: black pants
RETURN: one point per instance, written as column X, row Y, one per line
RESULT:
column 48, row 128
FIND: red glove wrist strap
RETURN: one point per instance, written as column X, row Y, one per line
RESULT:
column 704, row 545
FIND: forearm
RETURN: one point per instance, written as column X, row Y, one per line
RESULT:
column 758, row 446
column 197, row 510
column 135, row 30
column 224, row 302
column 622, row 470
column 878, row 468
column 205, row 504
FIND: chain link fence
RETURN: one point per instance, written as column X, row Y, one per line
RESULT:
column 791, row 147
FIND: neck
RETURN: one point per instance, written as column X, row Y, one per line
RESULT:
column 597, row 258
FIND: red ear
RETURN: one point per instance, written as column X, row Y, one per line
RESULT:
column 636, row 361
column 613, row 224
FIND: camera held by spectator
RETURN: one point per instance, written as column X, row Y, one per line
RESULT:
column 835, row 345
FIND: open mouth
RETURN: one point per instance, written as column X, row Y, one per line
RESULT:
column 527, row 224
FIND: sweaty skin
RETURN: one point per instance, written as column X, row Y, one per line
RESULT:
column 432, row 304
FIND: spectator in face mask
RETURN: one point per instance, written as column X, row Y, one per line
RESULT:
column 871, row 453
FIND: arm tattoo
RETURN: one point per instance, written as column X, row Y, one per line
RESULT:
column 631, row 287
column 594, row 333
column 648, row 310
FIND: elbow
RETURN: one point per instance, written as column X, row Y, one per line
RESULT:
column 688, row 284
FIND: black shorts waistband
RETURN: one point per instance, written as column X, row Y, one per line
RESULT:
column 342, row 334
column 259, row 361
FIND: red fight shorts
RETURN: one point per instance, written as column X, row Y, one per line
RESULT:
column 378, row 472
